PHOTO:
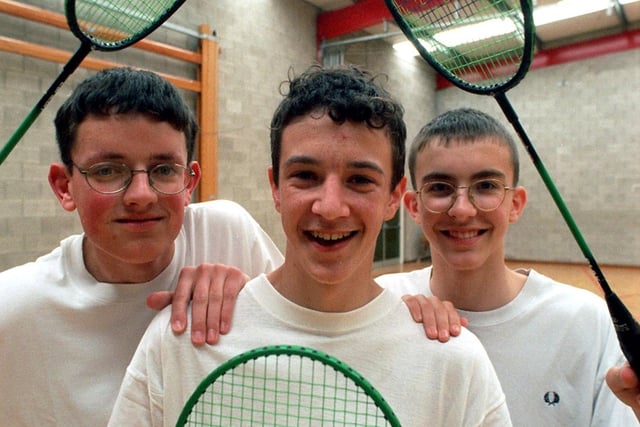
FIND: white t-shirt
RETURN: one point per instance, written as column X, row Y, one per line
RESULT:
column 66, row 339
column 551, row 347
column 427, row 383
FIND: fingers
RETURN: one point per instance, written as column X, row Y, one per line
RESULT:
column 221, row 306
column 212, row 290
column 186, row 290
column 439, row 319
column 624, row 383
column 621, row 378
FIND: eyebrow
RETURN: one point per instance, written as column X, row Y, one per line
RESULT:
column 358, row 164
column 120, row 158
column 483, row 174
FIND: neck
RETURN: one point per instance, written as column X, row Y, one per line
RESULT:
column 321, row 295
column 112, row 270
column 480, row 289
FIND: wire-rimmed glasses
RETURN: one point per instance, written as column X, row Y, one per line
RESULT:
column 484, row 194
column 112, row 178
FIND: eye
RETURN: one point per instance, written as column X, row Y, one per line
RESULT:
column 361, row 180
column 166, row 170
column 303, row 175
column 487, row 186
column 107, row 171
column 438, row 189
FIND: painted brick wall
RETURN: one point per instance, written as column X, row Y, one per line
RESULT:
column 581, row 116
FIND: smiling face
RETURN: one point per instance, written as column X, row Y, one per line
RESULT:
column 129, row 236
column 465, row 238
column 334, row 193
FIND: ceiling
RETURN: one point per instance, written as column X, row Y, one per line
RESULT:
column 370, row 17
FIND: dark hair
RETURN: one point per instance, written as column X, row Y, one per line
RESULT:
column 345, row 94
column 123, row 91
column 462, row 125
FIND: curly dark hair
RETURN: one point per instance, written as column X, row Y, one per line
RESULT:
column 123, row 90
column 344, row 94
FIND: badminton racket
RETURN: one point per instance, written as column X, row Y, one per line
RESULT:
column 105, row 25
column 285, row 385
column 486, row 47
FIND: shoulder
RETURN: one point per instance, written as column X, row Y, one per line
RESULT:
column 553, row 302
column 46, row 268
column 399, row 319
column 551, row 291
column 29, row 288
column 223, row 208
column 407, row 283
column 220, row 215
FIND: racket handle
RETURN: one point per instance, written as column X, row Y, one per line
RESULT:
column 627, row 329
column 18, row 134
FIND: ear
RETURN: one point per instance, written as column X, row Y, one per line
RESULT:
column 395, row 199
column 411, row 203
column 518, row 202
column 274, row 189
column 60, row 182
column 195, row 179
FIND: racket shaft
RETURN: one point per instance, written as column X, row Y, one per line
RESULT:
column 511, row 115
column 67, row 70
column 627, row 328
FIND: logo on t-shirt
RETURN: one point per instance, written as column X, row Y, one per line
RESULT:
column 552, row 398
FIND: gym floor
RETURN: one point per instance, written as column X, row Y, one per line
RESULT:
column 625, row 281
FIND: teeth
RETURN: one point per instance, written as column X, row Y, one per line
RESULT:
column 463, row 234
column 325, row 236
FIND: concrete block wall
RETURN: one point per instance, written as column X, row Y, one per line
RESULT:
column 581, row 116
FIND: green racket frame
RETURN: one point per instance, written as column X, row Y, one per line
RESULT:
column 522, row 56
column 288, row 350
column 87, row 29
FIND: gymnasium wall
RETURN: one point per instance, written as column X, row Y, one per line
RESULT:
column 582, row 116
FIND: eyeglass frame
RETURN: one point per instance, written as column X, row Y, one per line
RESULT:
column 190, row 174
column 454, row 196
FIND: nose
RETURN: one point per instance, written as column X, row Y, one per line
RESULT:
column 462, row 206
column 139, row 190
column 330, row 202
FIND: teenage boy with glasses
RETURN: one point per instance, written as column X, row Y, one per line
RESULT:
column 72, row 319
column 551, row 344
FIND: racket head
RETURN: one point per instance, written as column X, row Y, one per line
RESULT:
column 115, row 24
column 481, row 46
column 284, row 385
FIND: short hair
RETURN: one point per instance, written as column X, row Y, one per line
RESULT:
column 462, row 125
column 344, row 94
column 123, row 90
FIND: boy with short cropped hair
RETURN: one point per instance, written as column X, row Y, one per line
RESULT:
column 551, row 343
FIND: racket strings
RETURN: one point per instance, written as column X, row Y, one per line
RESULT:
column 285, row 390
column 109, row 23
column 480, row 42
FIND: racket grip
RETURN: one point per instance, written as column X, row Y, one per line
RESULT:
column 627, row 329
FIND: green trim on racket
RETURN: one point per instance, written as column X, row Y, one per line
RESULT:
column 116, row 24
column 103, row 25
column 291, row 389
column 491, row 66
column 484, row 65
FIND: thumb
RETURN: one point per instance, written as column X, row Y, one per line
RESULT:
column 159, row 300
